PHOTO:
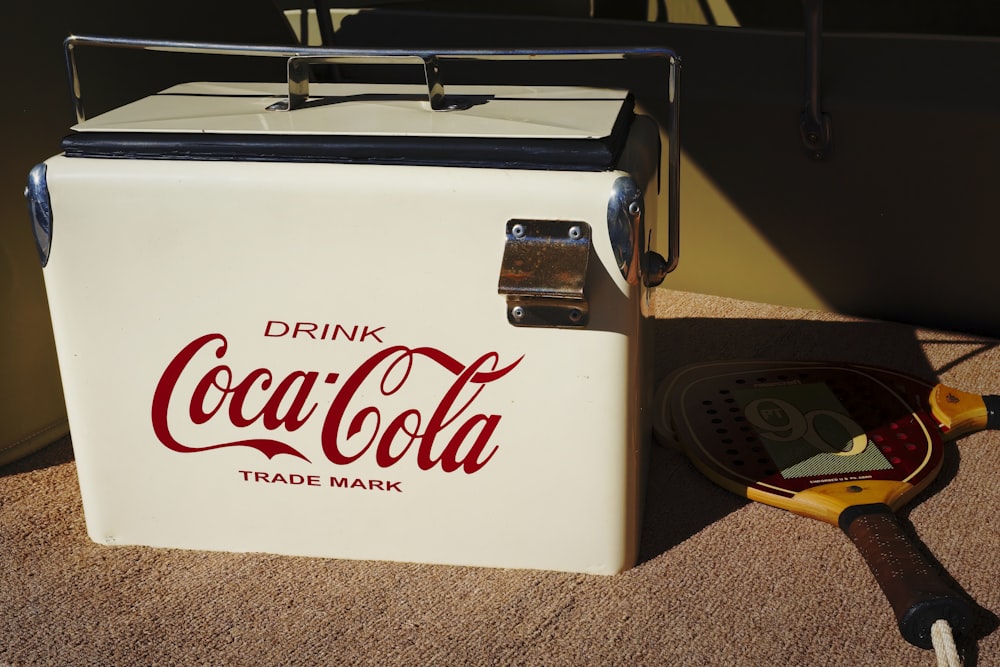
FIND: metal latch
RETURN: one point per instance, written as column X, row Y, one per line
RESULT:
column 544, row 272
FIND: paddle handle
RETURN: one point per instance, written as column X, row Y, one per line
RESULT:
column 916, row 589
column 992, row 404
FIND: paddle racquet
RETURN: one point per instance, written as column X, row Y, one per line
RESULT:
column 842, row 443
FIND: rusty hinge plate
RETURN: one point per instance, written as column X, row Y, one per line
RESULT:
column 543, row 273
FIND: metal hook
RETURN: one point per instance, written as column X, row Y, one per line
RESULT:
column 815, row 125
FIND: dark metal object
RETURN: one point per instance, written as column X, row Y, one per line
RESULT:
column 815, row 125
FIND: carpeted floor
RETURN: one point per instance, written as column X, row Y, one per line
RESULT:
column 719, row 582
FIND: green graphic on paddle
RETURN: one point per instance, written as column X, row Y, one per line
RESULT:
column 807, row 432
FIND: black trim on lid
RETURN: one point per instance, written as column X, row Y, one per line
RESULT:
column 485, row 152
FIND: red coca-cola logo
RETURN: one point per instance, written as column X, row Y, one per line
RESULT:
column 449, row 434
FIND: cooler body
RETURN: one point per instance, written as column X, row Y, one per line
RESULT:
column 271, row 344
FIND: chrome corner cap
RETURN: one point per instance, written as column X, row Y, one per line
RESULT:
column 625, row 226
column 40, row 210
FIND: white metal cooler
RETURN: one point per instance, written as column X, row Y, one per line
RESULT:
column 360, row 321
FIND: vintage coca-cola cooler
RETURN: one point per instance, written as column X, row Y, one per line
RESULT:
column 362, row 321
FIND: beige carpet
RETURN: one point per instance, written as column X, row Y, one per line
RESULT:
column 720, row 582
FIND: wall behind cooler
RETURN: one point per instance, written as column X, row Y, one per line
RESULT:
column 35, row 116
column 899, row 223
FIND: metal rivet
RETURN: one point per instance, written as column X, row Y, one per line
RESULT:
column 575, row 232
column 518, row 231
column 517, row 312
column 575, row 315
column 634, row 208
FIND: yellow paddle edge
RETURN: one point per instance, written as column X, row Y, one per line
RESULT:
column 959, row 412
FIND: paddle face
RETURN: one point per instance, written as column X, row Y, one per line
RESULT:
column 805, row 436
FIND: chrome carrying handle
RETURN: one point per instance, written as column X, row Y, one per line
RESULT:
column 300, row 60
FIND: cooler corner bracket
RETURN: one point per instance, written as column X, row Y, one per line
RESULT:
column 36, row 193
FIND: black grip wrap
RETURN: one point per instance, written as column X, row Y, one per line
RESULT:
column 916, row 589
column 992, row 411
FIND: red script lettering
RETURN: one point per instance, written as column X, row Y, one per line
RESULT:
column 448, row 436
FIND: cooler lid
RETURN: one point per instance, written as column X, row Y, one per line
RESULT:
column 509, row 126
column 370, row 109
